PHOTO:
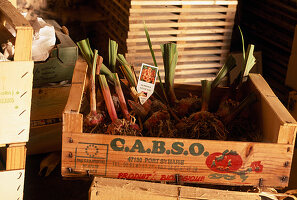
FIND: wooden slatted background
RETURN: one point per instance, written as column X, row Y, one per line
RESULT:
column 270, row 25
column 202, row 30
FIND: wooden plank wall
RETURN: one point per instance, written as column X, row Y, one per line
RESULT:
column 202, row 30
column 117, row 25
column 270, row 25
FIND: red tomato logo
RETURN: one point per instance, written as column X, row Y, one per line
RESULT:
column 224, row 162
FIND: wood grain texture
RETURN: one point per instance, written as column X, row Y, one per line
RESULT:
column 16, row 79
column 16, row 157
column 12, row 184
column 199, row 161
column 15, row 100
column 77, row 87
column 12, row 15
column 24, row 31
column 190, row 24
column 116, row 189
column 96, row 154
column 278, row 121
column 49, row 102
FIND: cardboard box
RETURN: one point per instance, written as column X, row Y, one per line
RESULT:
column 60, row 64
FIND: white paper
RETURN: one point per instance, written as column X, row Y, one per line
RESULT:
column 44, row 39
column 146, row 81
column 44, row 43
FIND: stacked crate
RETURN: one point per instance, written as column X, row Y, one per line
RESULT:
column 270, row 25
column 49, row 97
column 201, row 29
column 16, row 79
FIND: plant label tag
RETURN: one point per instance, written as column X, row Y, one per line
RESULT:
column 146, row 81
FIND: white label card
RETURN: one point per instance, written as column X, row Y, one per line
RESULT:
column 146, row 81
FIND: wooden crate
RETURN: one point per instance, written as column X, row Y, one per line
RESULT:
column 47, row 107
column 12, row 171
column 15, row 78
column 155, row 159
column 201, row 29
column 116, row 189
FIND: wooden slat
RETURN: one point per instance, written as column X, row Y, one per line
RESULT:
column 137, row 2
column 171, row 31
column 117, row 189
column 24, row 32
column 12, row 15
column 48, row 102
column 182, row 24
column 156, row 45
column 16, row 157
column 275, row 114
column 178, row 10
column 12, row 184
column 111, row 163
column 23, row 44
column 77, row 87
column 172, row 16
column 15, row 102
column 181, row 38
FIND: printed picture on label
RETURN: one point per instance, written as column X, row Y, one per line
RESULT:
column 148, row 74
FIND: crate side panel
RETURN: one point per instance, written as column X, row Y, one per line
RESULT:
column 48, row 102
column 12, row 184
column 275, row 118
column 106, row 188
column 77, row 87
column 15, row 101
column 16, row 157
column 200, row 161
